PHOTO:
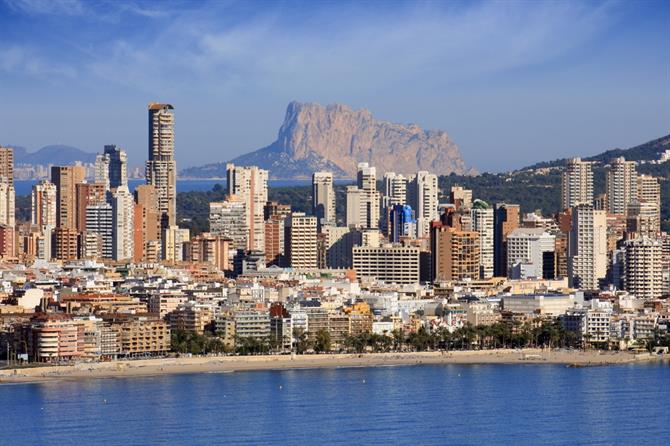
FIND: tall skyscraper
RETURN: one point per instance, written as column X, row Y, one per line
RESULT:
column 6, row 165
column 482, row 222
column 66, row 179
column 300, row 241
column 102, row 169
column 402, row 223
column 643, row 267
column 161, row 168
column 147, row 232
column 649, row 191
column 87, row 194
column 122, row 220
column 621, row 185
column 7, row 194
column 43, row 210
column 118, row 166
column 454, row 253
column 323, row 198
column 587, row 247
column 395, row 189
column 505, row 220
column 250, row 184
column 422, row 197
column 363, row 199
column 99, row 222
column 577, row 183
column 228, row 219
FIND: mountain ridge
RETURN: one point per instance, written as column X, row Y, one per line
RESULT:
column 336, row 137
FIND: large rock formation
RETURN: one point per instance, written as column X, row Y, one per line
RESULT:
column 337, row 138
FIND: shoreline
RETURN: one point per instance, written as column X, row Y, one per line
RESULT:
column 231, row 364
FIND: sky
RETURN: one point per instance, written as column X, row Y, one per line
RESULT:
column 512, row 82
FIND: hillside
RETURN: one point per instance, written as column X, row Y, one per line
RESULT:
column 52, row 154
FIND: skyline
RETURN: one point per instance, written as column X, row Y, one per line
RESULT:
column 548, row 75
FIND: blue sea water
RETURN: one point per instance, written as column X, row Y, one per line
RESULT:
column 24, row 187
column 445, row 404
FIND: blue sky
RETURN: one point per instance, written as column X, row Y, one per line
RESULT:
column 511, row 82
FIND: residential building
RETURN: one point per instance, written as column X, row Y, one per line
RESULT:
column 363, row 199
column 300, row 241
column 531, row 254
column 65, row 178
column 587, row 247
column 43, row 204
column 422, row 197
column 323, row 198
column 250, row 184
column 482, row 223
column 228, row 219
column 643, row 267
column 387, row 263
column 621, row 185
column 161, row 167
column 577, row 183
column 505, row 220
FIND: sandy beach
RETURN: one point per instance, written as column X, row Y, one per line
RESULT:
column 227, row 364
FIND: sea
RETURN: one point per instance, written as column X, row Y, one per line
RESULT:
column 422, row 404
column 24, row 187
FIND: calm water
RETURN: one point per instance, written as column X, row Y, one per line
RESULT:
column 454, row 404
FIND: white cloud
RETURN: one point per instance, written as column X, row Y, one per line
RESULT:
column 22, row 60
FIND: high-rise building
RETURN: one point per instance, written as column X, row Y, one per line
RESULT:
column 88, row 194
column 228, row 219
column 6, row 165
column 43, row 209
column 122, row 220
column 422, row 197
column 212, row 249
column 531, row 254
column 102, row 170
column 577, row 183
column 161, row 167
column 250, row 184
column 147, row 233
column 460, row 197
column 99, row 222
column 65, row 243
column 482, row 222
column 323, row 198
column 402, row 223
column 649, row 191
column 173, row 245
column 643, row 267
column 7, row 242
column 395, row 189
column 587, row 247
column 621, row 185
column 505, row 220
column 363, row 199
column 66, row 179
column 643, row 218
column 388, row 263
column 118, row 166
column 300, row 241
column 7, row 205
column 7, row 193
column 455, row 254
column 274, row 240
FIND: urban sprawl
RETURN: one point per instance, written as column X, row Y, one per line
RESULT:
column 102, row 273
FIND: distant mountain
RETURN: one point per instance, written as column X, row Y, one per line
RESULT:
column 53, row 154
column 336, row 138
column 644, row 152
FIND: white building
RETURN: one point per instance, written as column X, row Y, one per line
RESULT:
column 621, row 185
column 228, row 219
column 323, row 198
column 363, row 199
column 482, row 222
column 123, row 224
column 643, row 267
column 300, row 241
column 587, row 247
column 577, row 183
column 388, row 263
column 251, row 185
column 526, row 248
column 422, row 197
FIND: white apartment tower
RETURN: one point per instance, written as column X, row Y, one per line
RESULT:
column 122, row 222
column 621, row 185
column 323, row 198
column 161, row 167
column 395, row 189
column 100, row 222
column 300, row 241
column 526, row 248
column 228, row 219
column 482, row 222
column 587, row 247
column 422, row 197
column 363, row 199
column 643, row 267
column 577, row 183
column 251, row 185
